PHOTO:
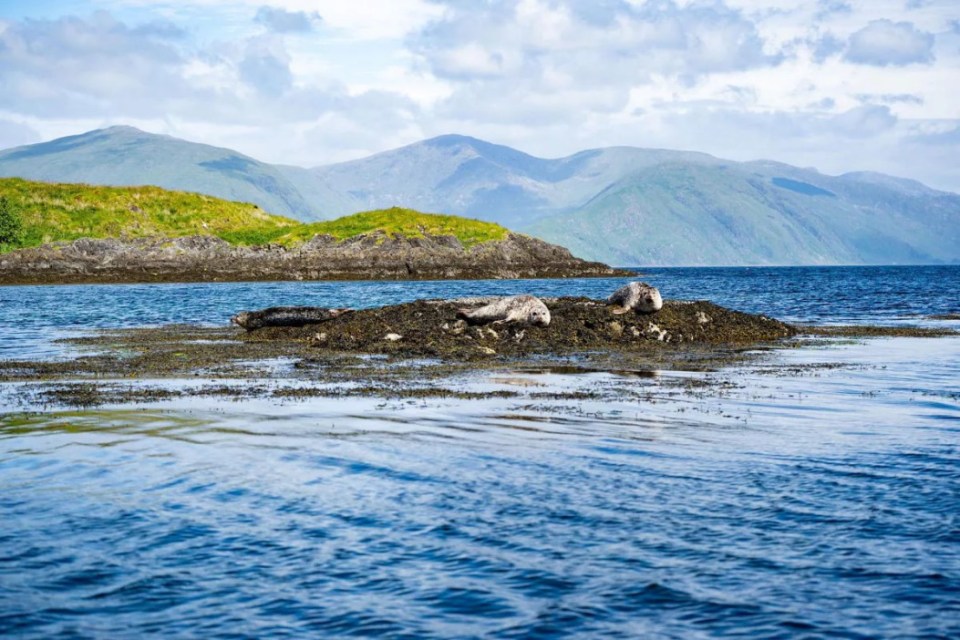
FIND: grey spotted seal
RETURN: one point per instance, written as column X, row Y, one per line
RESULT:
column 285, row 317
column 524, row 309
column 638, row 296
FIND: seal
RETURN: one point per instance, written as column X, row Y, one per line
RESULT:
column 285, row 317
column 523, row 309
column 638, row 296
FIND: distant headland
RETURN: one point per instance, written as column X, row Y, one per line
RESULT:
column 72, row 233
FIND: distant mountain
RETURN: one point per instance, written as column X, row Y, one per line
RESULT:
column 476, row 178
column 758, row 213
column 125, row 156
column 620, row 204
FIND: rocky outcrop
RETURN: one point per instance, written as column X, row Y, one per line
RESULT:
column 374, row 256
column 432, row 328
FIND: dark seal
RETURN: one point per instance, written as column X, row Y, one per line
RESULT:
column 285, row 317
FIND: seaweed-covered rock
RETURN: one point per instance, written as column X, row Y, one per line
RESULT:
column 431, row 328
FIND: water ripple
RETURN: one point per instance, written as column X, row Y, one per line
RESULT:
column 806, row 506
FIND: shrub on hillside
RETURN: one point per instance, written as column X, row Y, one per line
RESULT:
column 11, row 227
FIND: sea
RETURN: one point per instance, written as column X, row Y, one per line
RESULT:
column 809, row 493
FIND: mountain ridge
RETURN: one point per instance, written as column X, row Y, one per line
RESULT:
column 684, row 207
column 126, row 156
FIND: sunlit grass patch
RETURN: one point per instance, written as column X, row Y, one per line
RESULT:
column 52, row 212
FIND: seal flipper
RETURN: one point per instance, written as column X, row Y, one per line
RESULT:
column 619, row 311
column 466, row 314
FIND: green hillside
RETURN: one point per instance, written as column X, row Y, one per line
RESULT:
column 53, row 212
column 405, row 222
column 127, row 157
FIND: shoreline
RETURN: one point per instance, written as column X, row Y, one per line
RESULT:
column 371, row 256
column 350, row 357
column 179, row 279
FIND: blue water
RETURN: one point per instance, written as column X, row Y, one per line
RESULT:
column 31, row 316
column 822, row 503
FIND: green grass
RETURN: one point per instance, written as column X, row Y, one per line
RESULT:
column 54, row 212
column 405, row 222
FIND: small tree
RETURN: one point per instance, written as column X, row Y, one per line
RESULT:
column 11, row 227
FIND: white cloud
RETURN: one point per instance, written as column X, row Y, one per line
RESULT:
column 101, row 68
column 265, row 66
column 867, row 137
column 537, row 63
column 367, row 20
column 280, row 20
column 527, row 36
column 14, row 134
column 839, row 84
column 84, row 66
column 883, row 43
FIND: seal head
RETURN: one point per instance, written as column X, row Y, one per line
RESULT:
column 639, row 296
column 242, row 319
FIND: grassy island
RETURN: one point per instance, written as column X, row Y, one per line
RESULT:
column 52, row 212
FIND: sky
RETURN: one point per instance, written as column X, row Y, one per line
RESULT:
column 839, row 85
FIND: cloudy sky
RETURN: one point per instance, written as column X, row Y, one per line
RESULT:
column 839, row 85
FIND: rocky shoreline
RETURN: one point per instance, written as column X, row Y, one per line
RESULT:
column 410, row 351
column 373, row 256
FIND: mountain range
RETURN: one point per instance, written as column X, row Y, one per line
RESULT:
column 620, row 205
